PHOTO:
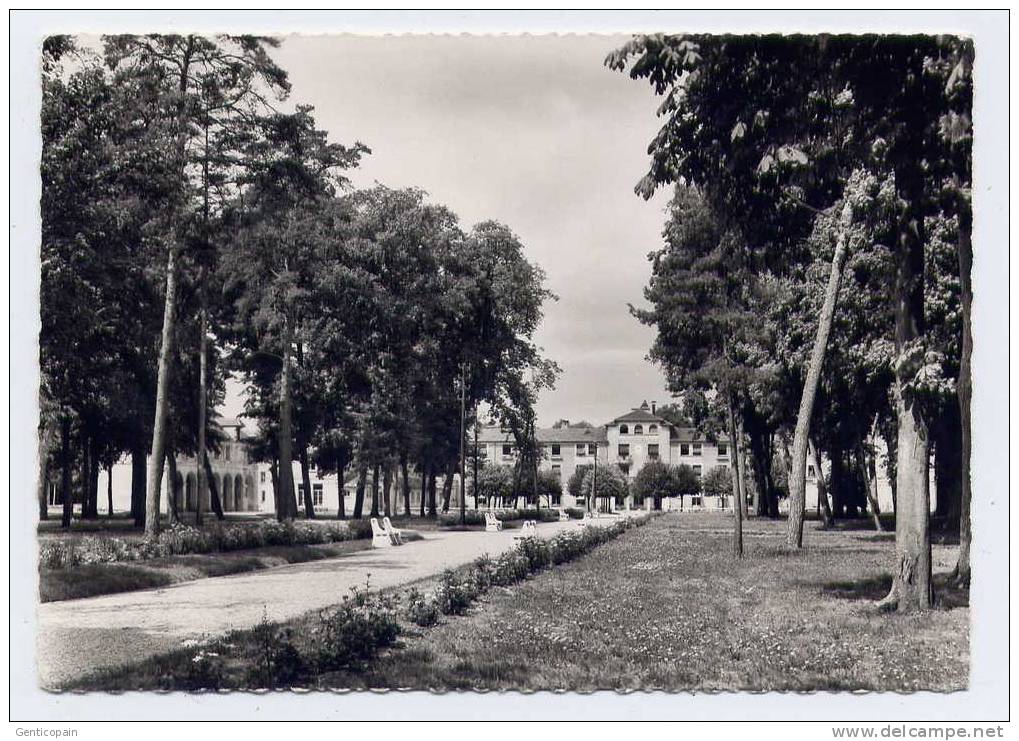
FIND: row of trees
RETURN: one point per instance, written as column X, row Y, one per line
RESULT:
column 815, row 278
column 196, row 225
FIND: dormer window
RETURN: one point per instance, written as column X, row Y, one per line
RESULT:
column 638, row 429
column 624, row 429
column 652, row 429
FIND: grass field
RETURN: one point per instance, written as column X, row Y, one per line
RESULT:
column 664, row 606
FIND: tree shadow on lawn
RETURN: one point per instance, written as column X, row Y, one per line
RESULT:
column 947, row 593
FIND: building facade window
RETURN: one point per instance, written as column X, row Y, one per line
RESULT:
column 652, row 451
column 624, row 450
column 684, row 448
column 697, row 470
column 624, row 429
column 556, row 450
column 723, row 450
column 581, row 450
column 557, row 471
column 638, row 429
column 592, row 449
column 696, row 448
column 263, row 496
column 810, row 471
column 507, row 451
column 261, row 477
column 316, row 494
column 652, row 429
column 226, row 451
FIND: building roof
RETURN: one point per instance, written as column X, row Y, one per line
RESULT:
column 572, row 434
column 642, row 413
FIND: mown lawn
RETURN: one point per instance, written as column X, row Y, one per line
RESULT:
column 664, row 607
column 91, row 580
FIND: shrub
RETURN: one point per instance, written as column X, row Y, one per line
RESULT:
column 277, row 662
column 421, row 610
column 536, row 551
column 510, row 567
column 452, row 519
column 456, row 591
column 355, row 631
column 205, row 671
column 575, row 512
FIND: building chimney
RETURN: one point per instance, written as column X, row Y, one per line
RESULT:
column 653, row 405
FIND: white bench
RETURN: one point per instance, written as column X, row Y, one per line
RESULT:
column 563, row 516
column 528, row 530
column 395, row 534
column 492, row 523
column 380, row 538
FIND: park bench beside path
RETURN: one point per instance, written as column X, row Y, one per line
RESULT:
column 77, row 637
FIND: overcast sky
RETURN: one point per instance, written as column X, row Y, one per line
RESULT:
column 531, row 131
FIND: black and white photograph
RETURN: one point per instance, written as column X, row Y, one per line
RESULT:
column 479, row 365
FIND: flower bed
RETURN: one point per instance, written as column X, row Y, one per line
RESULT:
column 178, row 540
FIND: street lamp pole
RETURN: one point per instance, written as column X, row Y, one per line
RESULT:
column 463, row 437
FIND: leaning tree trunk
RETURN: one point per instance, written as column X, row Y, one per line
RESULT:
column 65, row 472
column 362, row 475
column 309, row 500
column 823, row 508
column 214, row 501
column 798, row 480
column 447, row 487
column 159, row 430
column 869, row 486
column 737, row 487
column 288, row 508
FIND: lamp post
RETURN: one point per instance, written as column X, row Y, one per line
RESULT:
column 463, row 438
column 594, row 481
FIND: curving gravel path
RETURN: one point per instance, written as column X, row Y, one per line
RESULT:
column 77, row 637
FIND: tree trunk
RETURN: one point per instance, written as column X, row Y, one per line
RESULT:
column 431, row 492
column 214, row 500
column 798, row 481
column 965, row 387
column 159, row 425
column 138, row 474
column 288, row 510
column 203, row 402
column 870, row 486
column 341, row 494
column 109, row 490
column 912, row 585
column 277, row 500
column 84, row 474
column 737, row 488
column 65, row 472
column 946, row 434
column 387, row 490
column 362, row 475
column 44, row 483
column 309, row 500
column 405, row 474
column 375, row 491
column 93, row 481
column 823, row 510
column 171, row 467
column 424, row 487
column 447, row 487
